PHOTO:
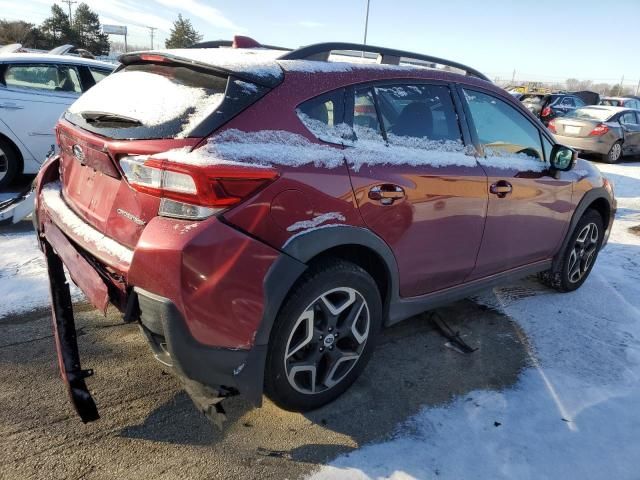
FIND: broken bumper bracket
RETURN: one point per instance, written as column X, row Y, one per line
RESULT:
column 66, row 339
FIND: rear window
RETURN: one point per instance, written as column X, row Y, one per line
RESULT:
column 611, row 102
column 146, row 101
column 590, row 114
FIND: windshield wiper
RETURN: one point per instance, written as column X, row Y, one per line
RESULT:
column 104, row 117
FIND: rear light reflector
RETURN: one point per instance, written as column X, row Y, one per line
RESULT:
column 193, row 191
column 599, row 130
column 546, row 111
column 552, row 126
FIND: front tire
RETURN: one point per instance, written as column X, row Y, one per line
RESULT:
column 323, row 336
column 579, row 255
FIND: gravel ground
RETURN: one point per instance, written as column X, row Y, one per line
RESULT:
column 150, row 429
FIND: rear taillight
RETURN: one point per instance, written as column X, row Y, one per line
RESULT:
column 552, row 126
column 193, row 191
column 599, row 130
column 546, row 111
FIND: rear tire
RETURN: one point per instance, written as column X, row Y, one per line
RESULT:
column 579, row 255
column 323, row 336
column 9, row 164
column 615, row 153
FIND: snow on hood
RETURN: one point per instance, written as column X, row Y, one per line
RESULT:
column 267, row 148
column 150, row 98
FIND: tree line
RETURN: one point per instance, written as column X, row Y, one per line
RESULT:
column 83, row 30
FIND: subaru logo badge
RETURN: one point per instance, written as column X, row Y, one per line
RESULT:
column 78, row 152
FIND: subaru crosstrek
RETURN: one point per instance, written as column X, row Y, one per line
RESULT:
column 262, row 214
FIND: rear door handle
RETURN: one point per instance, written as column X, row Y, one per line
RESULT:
column 11, row 106
column 386, row 194
column 501, row 188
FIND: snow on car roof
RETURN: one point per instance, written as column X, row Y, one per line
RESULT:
column 47, row 58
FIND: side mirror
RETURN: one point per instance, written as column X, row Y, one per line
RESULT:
column 563, row 158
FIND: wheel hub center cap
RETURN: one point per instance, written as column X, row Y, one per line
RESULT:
column 328, row 340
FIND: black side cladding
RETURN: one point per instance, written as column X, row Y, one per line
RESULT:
column 66, row 340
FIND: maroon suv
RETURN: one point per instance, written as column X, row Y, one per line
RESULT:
column 263, row 213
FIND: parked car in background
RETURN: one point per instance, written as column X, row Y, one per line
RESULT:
column 547, row 107
column 34, row 91
column 262, row 224
column 610, row 132
column 628, row 102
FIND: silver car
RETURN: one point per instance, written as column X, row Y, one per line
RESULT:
column 610, row 132
column 34, row 91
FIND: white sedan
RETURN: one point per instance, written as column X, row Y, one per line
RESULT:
column 35, row 89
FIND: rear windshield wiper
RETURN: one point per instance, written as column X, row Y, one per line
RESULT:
column 114, row 118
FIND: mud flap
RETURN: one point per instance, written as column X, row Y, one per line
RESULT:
column 64, row 330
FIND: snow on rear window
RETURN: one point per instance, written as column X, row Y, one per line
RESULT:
column 152, row 98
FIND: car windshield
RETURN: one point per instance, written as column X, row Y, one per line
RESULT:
column 600, row 114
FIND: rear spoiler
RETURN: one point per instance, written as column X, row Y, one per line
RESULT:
column 169, row 58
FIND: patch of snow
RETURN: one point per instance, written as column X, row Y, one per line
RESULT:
column 24, row 281
column 256, row 61
column 314, row 66
column 152, row 99
column 246, row 87
column 315, row 221
column 309, row 230
column 52, row 198
column 333, row 134
column 516, row 161
column 573, row 414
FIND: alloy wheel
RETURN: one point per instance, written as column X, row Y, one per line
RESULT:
column 583, row 252
column 327, row 340
column 615, row 152
column 4, row 165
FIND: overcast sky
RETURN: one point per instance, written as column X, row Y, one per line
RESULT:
column 545, row 40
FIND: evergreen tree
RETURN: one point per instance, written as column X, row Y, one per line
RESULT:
column 88, row 31
column 56, row 29
column 182, row 34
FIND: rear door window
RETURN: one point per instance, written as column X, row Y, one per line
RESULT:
column 628, row 118
column 43, row 78
column 98, row 74
column 418, row 111
column 503, row 131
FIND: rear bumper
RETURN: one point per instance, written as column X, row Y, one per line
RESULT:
column 596, row 145
column 203, row 294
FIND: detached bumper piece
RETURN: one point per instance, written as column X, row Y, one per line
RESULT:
column 64, row 330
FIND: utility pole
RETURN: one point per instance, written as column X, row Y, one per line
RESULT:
column 638, row 88
column 151, row 30
column 69, row 3
column 366, row 25
column 620, row 86
column 513, row 77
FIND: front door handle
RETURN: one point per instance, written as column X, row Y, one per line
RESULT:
column 501, row 188
column 386, row 194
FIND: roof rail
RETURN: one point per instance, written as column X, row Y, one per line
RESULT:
column 388, row 56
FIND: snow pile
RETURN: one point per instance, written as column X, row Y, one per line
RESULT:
column 149, row 98
column 573, row 414
column 315, row 221
column 75, row 226
column 256, row 61
column 24, row 282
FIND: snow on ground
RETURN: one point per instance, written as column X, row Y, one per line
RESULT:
column 23, row 284
column 23, row 274
column 574, row 414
